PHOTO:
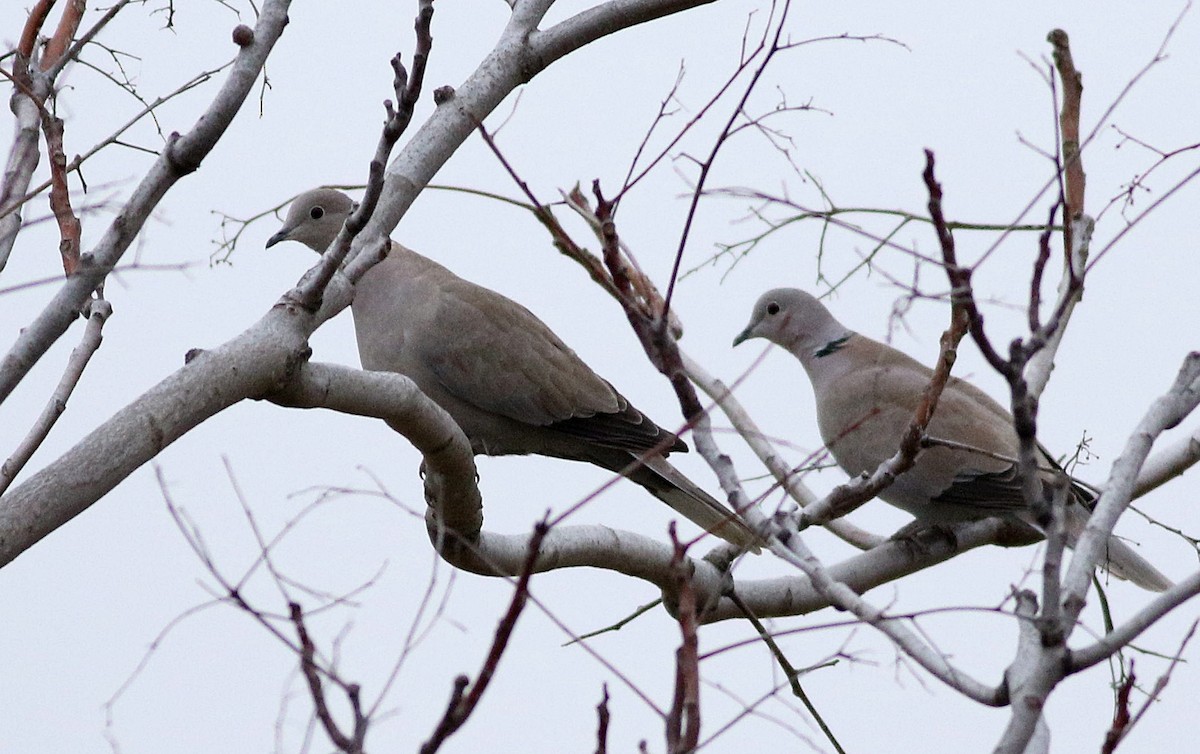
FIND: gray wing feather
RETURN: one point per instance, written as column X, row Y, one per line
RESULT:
column 495, row 354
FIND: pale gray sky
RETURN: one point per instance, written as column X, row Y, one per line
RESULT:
column 82, row 608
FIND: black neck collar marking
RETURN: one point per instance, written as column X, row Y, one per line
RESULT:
column 832, row 346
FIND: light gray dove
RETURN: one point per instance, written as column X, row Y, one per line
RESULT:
column 867, row 394
column 502, row 375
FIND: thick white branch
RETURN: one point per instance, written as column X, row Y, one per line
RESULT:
column 521, row 53
column 528, row 14
column 1168, row 463
column 1120, row 637
column 795, row 595
column 607, row 18
column 23, row 158
column 1028, row 681
column 642, row 557
column 251, row 365
column 1037, row 371
column 1166, row 412
column 593, row 546
column 181, row 156
column 449, row 465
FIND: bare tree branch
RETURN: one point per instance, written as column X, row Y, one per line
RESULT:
column 467, row 695
column 349, row 743
column 792, row 549
column 522, row 52
column 602, row 720
column 1168, row 463
column 100, row 311
column 1166, row 412
column 181, row 156
column 1121, row 636
column 683, row 719
column 785, row 477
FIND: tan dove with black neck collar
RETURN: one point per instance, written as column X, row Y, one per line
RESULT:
column 867, row 394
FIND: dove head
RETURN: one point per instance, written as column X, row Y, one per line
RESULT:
column 314, row 219
column 793, row 319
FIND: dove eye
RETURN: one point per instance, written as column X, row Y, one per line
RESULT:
column 772, row 308
column 316, row 213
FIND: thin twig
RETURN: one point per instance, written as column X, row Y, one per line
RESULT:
column 349, row 743
column 683, row 719
column 80, row 356
column 789, row 670
column 466, row 696
column 602, row 720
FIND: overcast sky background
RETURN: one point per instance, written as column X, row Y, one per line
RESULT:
column 82, row 608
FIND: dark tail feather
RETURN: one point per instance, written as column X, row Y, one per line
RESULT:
column 669, row 485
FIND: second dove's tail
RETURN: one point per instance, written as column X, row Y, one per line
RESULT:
column 1121, row 560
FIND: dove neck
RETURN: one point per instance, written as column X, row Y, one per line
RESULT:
column 826, row 358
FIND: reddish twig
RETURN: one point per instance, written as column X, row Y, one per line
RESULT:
column 683, row 719
column 68, row 24
column 52, row 60
column 1074, row 195
column 628, row 279
column 1121, row 716
column 69, row 230
column 1072, row 84
column 610, row 243
column 1024, row 408
column 602, row 720
column 1039, row 269
column 642, row 304
column 1159, row 686
column 33, row 26
column 961, row 292
column 352, row 743
column 465, row 696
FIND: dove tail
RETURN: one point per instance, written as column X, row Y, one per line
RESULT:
column 1120, row 559
column 669, row 485
column 1124, row 563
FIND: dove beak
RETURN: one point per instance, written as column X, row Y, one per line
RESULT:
column 282, row 235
